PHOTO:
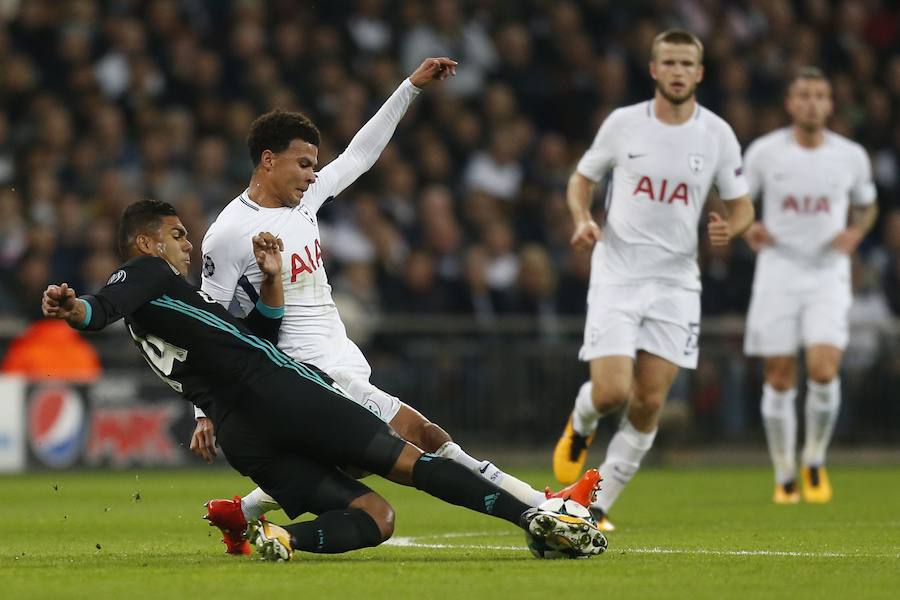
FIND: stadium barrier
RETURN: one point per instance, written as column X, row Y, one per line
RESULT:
column 509, row 383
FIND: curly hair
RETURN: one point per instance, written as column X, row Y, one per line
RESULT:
column 276, row 129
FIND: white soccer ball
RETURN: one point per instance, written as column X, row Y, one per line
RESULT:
column 541, row 548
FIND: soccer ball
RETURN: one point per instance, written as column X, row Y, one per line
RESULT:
column 547, row 549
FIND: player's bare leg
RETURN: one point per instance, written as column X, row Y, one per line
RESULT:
column 779, row 417
column 653, row 378
column 609, row 387
column 823, row 402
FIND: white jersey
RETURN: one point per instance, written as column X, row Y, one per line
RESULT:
column 806, row 193
column 230, row 271
column 661, row 177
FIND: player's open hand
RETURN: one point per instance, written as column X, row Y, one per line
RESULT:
column 758, row 237
column 586, row 235
column 719, row 230
column 58, row 301
column 433, row 69
column 203, row 442
column 267, row 249
column 847, row 240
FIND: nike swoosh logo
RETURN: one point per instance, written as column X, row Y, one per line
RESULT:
column 630, row 155
column 484, row 468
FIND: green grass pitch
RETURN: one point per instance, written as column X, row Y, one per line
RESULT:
column 683, row 533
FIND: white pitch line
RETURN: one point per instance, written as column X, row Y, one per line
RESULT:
column 413, row 542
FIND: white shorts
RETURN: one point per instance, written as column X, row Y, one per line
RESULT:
column 661, row 319
column 780, row 323
column 325, row 344
column 351, row 371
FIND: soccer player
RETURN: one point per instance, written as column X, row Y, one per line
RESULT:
column 284, row 196
column 643, row 315
column 283, row 423
column 810, row 179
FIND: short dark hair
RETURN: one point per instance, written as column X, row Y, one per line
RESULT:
column 808, row 73
column 144, row 216
column 676, row 36
column 276, row 129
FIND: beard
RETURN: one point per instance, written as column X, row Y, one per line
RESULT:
column 677, row 100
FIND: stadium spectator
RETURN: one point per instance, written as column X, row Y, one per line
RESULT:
column 106, row 103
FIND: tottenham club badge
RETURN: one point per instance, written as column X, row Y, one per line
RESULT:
column 695, row 162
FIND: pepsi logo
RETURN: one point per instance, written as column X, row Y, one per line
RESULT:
column 56, row 425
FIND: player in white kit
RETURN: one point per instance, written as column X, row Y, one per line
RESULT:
column 284, row 196
column 810, row 179
column 643, row 315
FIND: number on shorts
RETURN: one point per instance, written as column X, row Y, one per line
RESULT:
column 693, row 340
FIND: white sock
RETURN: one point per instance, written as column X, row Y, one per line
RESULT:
column 623, row 458
column 823, row 403
column 518, row 488
column 256, row 504
column 780, row 421
column 584, row 417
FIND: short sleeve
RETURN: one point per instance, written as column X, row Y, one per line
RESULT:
column 730, row 180
column 863, row 191
column 226, row 256
column 601, row 156
column 753, row 169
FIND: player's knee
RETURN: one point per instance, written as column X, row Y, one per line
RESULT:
column 823, row 372
column 608, row 396
column 646, row 407
column 433, row 436
column 380, row 512
column 780, row 374
column 780, row 382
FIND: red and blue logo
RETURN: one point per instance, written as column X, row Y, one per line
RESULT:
column 56, row 425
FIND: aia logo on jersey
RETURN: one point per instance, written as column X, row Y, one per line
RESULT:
column 312, row 262
column 696, row 162
column 663, row 191
column 209, row 267
column 117, row 277
column 806, row 205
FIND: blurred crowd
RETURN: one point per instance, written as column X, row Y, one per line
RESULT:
column 106, row 102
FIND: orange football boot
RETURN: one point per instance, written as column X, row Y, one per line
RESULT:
column 583, row 491
column 228, row 517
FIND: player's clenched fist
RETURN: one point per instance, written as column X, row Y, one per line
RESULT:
column 586, row 234
column 757, row 237
column 58, row 301
column 719, row 230
column 267, row 249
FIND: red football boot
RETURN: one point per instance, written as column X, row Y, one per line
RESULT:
column 583, row 491
column 228, row 517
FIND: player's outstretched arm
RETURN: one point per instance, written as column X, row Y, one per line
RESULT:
column 579, row 192
column 368, row 143
column 740, row 216
column 431, row 70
